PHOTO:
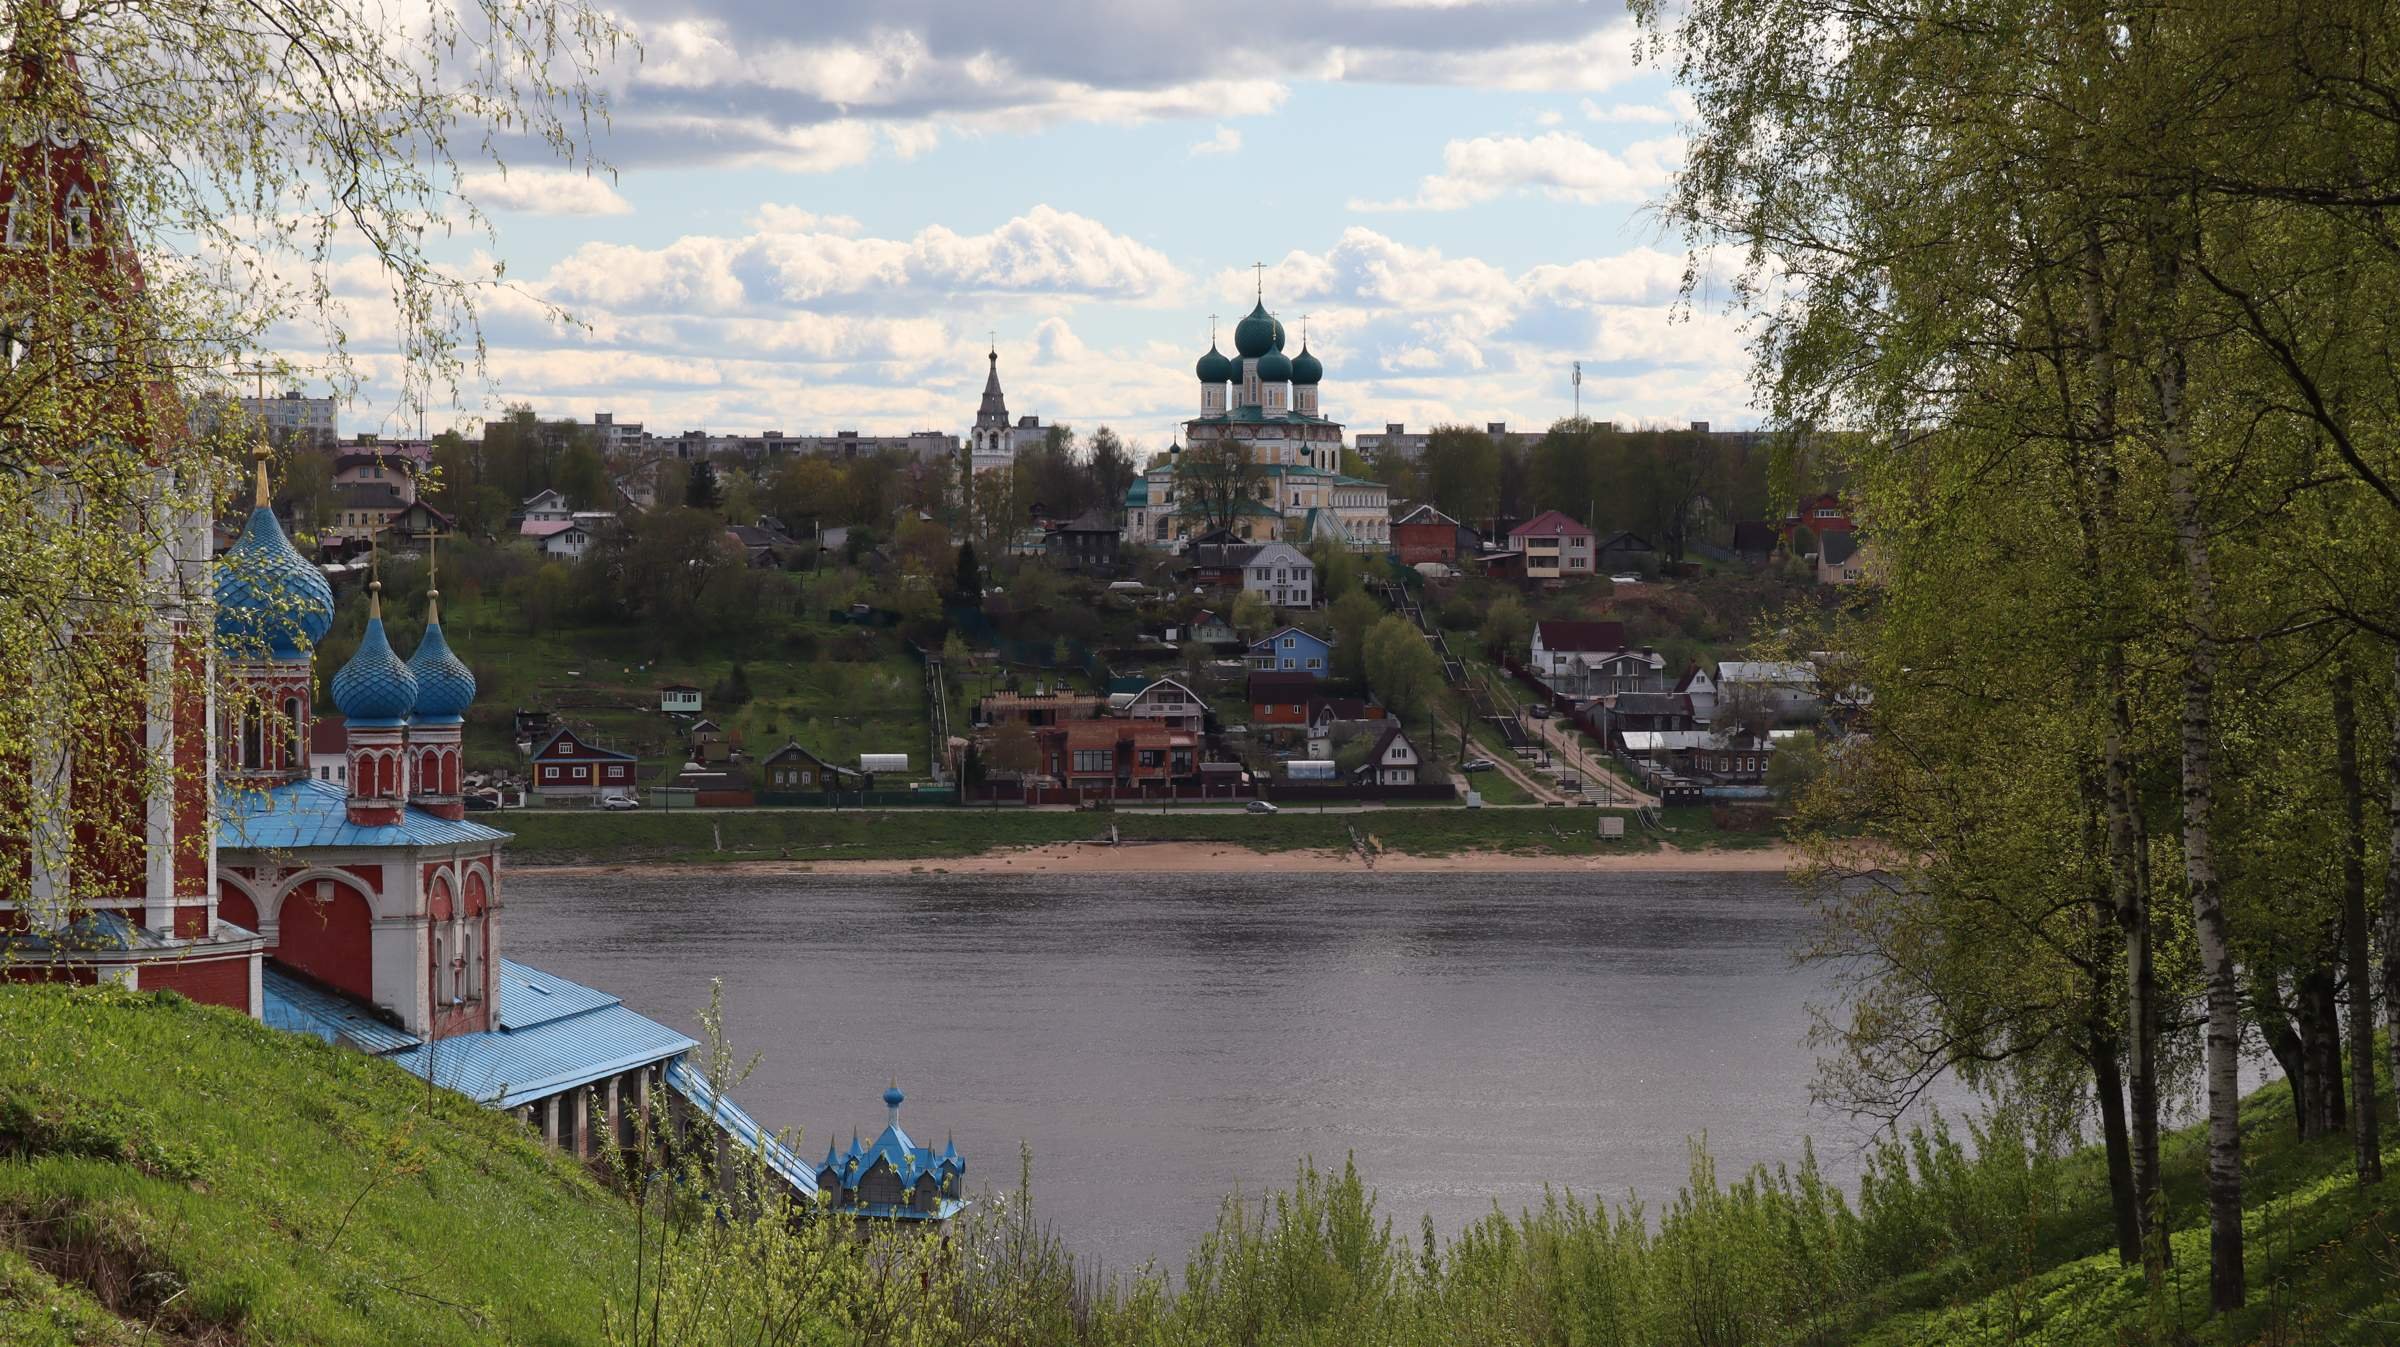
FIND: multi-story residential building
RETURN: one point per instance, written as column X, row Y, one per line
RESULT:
column 1554, row 547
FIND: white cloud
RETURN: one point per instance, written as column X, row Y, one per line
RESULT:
column 1590, row 63
column 1056, row 343
column 1044, row 251
column 543, row 191
column 1552, row 118
column 1647, row 113
column 1227, row 140
column 772, row 218
column 1559, row 164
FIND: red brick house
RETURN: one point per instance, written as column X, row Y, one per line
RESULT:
column 1426, row 534
column 566, row 768
column 1104, row 754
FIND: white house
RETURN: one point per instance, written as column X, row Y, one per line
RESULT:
column 1282, row 575
column 1169, row 703
column 1787, row 688
column 546, row 506
column 567, row 539
column 1702, row 689
column 1393, row 760
column 679, row 699
column 1557, row 644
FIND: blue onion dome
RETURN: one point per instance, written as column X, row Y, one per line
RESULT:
column 892, row 1096
column 1257, row 334
column 445, row 685
column 1214, row 368
column 375, row 690
column 268, row 596
column 1306, row 368
column 1275, row 367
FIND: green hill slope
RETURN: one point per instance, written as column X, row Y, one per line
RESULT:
column 184, row 1169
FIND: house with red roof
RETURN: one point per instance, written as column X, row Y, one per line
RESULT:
column 1554, row 546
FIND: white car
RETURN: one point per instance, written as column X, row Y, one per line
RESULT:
column 620, row 802
column 1261, row 807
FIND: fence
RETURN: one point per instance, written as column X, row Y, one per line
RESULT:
column 857, row 799
column 1147, row 793
column 1302, row 793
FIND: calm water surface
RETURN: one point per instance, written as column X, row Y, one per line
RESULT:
column 1160, row 1043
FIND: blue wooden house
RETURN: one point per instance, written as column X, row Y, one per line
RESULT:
column 1292, row 650
column 892, row 1178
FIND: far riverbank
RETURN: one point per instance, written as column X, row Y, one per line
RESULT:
column 1088, row 858
column 1036, row 841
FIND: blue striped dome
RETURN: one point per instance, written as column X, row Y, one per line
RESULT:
column 375, row 690
column 445, row 685
column 268, row 596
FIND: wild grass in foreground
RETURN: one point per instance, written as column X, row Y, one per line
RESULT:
column 173, row 1171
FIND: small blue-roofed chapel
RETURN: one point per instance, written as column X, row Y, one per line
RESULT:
column 892, row 1178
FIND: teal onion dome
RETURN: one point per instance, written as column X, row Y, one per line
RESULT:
column 892, row 1096
column 1257, row 334
column 1306, row 368
column 1214, row 368
column 445, row 685
column 375, row 690
column 1275, row 367
column 268, row 596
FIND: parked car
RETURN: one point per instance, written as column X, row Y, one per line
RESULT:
column 1477, row 765
column 1540, row 712
column 481, row 803
column 620, row 802
column 1261, row 807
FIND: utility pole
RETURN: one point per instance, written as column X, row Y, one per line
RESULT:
column 1577, row 381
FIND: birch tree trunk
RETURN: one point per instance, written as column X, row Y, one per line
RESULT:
column 2391, row 900
column 2366, row 1141
column 2227, row 1282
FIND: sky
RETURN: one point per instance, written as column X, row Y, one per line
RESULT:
column 816, row 216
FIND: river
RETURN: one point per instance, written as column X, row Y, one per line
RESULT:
column 1162, row 1043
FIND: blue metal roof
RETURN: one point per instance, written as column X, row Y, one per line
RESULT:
column 312, row 813
column 688, row 1082
column 529, row 997
column 289, row 1004
column 515, row 1064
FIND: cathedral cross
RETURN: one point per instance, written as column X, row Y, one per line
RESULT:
column 1261, row 269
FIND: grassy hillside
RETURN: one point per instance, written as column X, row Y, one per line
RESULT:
column 183, row 1169
column 175, row 1173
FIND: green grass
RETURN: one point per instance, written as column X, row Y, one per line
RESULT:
column 191, row 1170
column 559, row 837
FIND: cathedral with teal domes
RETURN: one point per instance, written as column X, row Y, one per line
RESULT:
column 1266, row 403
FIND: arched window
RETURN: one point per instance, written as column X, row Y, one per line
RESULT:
column 291, row 731
column 441, row 948
column 467, row 980
column 253, row 750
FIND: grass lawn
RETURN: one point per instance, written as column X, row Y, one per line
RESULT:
column 225, row 1182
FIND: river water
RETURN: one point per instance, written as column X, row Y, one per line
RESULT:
column 1162, row 1043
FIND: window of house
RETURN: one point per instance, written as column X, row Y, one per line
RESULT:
column 1091, row 759
column 1314, row 662
column 549, row 774
column 1288, row 642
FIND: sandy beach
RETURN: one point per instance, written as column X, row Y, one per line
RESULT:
column 1210, row 857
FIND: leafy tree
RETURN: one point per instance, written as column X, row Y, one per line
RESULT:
column 1110, row 466
column 308, row 487
column 1794, row 767
column 1251, row 616
column 582, row 478
column 1337, row 569
column 1507, row 628
column 967, row 578
column 1401, row 666
column 1352, row 616
column 700, row 489
column 1014, row 748
column 1460, row 473
column 1214, row 483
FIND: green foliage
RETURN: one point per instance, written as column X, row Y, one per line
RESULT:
column 1350, row 618
column 1401, row 666
column 312, row 1195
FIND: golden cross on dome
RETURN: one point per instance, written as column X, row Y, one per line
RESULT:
column 1212, row 331
column 433, row 576
column 263, row 450
column 1261, row 269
